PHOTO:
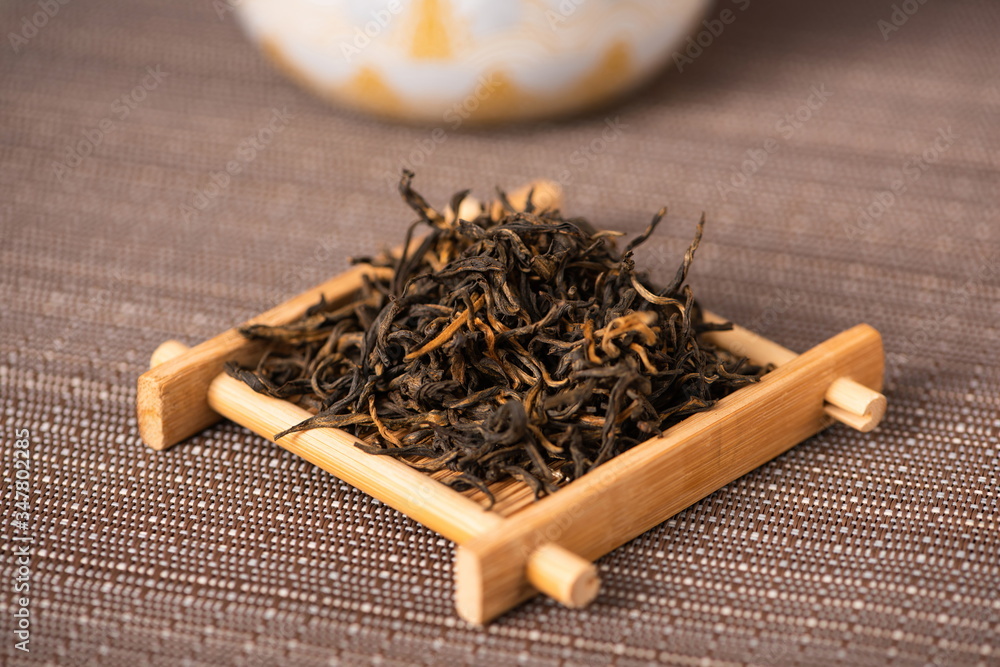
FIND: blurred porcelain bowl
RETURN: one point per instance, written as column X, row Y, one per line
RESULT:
column 478, row 60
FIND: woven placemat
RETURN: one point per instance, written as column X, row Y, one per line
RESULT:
column 870, row 195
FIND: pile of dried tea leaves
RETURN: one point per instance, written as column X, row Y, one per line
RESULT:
column 517, row 344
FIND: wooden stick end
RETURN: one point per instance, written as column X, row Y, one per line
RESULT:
column 149, row 412
column 564, row 576
column 469, row 587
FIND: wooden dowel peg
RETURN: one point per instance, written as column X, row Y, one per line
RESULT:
column 563, row 576
column 854, row 404
column 167, row 351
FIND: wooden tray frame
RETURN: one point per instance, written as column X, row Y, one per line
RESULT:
column 509, row 554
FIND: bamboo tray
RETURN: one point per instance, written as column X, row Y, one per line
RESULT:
column 508, row 554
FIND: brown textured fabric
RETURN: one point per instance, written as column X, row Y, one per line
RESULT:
column 851, row 549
